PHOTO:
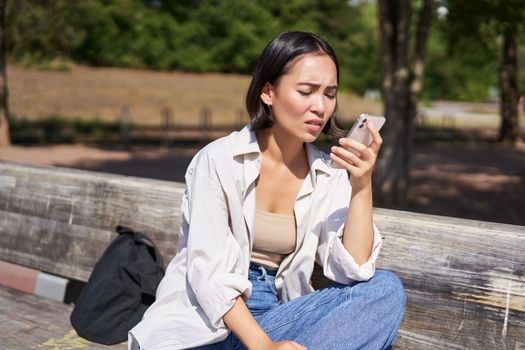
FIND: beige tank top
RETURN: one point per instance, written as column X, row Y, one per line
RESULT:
column 274, row 238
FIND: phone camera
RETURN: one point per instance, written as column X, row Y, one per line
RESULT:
column 361, row 125
column 364, row 120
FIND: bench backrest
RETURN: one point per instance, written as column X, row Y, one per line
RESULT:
column 465, row 279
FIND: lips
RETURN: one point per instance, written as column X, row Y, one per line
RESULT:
column 317, row 122
column 314, row 125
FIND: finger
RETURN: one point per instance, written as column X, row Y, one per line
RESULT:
column 368, row 154
column 365, row 154
column 350, row 155
column 347, row 155
column 377, row 140
column 349, row 143
column 349, row 167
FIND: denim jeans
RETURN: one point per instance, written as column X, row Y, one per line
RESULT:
column 362, row 315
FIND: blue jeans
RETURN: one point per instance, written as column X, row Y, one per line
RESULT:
column 362, row 315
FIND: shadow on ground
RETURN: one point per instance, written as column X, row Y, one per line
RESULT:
column 479, row 181
column 163, row 164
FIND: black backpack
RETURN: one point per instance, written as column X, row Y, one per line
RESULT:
column 120, row 289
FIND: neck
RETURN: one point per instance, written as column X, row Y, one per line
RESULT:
column 280, row 147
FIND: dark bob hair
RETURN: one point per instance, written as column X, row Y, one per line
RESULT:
column 274, row 62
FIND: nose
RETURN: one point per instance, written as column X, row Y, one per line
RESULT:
column 318, row 105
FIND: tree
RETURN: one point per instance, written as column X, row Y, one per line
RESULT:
column 401, row 89
column 495, row 18
column 5, row 139
column 509, row 129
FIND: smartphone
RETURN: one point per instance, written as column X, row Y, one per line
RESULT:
column 360, row 132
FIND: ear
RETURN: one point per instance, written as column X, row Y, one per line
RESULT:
column 267, row 94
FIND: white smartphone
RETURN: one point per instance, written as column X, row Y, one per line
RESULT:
column 360, row 132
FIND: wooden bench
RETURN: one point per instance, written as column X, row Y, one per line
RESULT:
column 465, row 280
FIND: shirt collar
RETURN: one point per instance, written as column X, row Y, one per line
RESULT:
column 246, row 143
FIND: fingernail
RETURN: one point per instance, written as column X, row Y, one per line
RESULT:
column 340, row 141
column 333, row 149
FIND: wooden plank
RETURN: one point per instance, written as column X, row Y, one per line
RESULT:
column 30, row 322
column 52, row 246
column 465, row 280
column 72, row 214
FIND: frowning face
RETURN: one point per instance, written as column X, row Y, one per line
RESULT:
column 304, row 99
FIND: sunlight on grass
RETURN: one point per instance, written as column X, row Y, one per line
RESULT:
column 89, row 93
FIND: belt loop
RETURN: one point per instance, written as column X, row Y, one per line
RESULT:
column 263, row 272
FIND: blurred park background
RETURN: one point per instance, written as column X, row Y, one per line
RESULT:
column 136, row 87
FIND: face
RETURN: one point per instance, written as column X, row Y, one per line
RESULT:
column 304, row 99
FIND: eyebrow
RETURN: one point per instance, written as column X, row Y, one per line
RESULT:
column 317, row 85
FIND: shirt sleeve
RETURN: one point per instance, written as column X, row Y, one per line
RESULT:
column 212, row 250
column 338, row 264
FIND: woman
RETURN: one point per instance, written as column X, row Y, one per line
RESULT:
column 260, row 207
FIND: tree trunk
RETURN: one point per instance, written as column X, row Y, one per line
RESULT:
column 401, row 89
column 5, row 138
column 416, row 85
column 509, row 129
column 389, row 175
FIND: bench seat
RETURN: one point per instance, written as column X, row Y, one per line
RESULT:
column 465, row 279
column 28, row 321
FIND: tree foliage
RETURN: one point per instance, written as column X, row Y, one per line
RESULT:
column 228, row 35
column 196, row 36
column 503, row 20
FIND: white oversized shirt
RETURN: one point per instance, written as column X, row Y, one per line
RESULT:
column 210, row 269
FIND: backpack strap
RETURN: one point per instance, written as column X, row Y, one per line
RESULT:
column 140, row 237
column 124, row 230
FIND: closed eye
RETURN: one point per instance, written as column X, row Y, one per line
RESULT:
column 304, row 93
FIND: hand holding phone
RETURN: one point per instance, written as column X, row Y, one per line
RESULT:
column 360, row 132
